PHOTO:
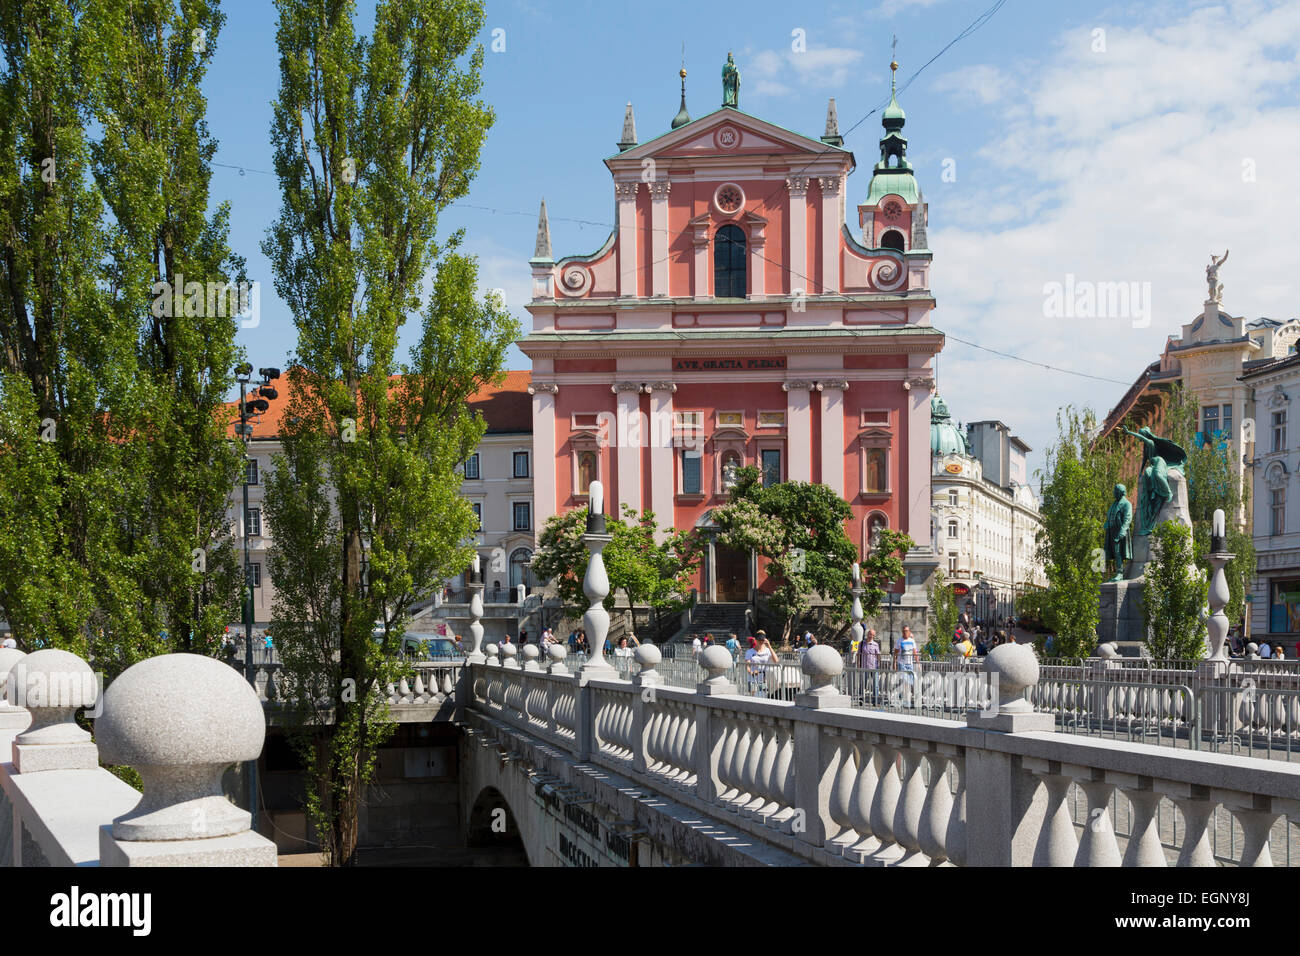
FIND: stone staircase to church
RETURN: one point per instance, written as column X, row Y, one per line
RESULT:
column 718, row 620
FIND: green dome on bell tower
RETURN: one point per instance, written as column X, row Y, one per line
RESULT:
column 945, row 437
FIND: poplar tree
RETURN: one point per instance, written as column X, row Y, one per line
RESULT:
column 114, row 463
column 374, row 137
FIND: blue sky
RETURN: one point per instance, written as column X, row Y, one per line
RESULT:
column 1118, row 143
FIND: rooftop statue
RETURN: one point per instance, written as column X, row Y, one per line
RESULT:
column 1212, row 275
column 1159, row 457
column 730, row 83
column 1118, row 546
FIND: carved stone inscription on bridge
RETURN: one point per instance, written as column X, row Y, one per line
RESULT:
column 577, row 834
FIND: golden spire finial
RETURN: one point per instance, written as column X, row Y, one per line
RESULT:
column 893, row 63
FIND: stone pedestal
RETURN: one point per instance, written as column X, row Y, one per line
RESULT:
column 238, row 849
column 1121, row 616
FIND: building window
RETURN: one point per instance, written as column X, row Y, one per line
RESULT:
column 1279, row 430
column 1227, row 420
column 255, row 574
column 892, row 239
column 952, row 527
column 1278, row 511
column 523, row 521
column 876, row 474
column 478, row 516
column 1284, row 607
column 253, row 520
column 771, row 458
column 690, row 472
column 521, row 464
column 952, row 496
column 250, row 471
column 1210, row 419
column 588, row 469
column 952, row 562
column 729, row 279
column 471, row 466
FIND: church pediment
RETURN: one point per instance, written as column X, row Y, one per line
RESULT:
column 725, row 132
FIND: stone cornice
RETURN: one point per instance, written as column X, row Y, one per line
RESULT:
column 547, row 388
column 925, row 382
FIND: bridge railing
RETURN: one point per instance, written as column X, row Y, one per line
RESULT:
column 835, row 783
column 63, row 808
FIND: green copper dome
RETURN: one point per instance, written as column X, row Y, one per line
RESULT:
column 945, row 438
column 893, row 118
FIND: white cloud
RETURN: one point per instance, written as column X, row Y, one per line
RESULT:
column 891, row 8
column 1126, row 166
column 981, row 84
column 777, row 72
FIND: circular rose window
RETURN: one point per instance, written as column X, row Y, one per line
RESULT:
column 729, row 198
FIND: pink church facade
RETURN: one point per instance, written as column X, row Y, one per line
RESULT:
column 734, row 317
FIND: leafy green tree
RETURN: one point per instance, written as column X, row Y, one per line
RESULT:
column 113, row 488
column 1174, row 597
column 798, row 527
column 883, row 566
column 651, row 566
column 374, row 137
column 1076, row 492
column 943, row 616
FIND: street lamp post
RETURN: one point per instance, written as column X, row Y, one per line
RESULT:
column 247, row 408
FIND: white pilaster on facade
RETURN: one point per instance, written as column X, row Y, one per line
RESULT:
column 833, row 435
column 757, row 259
column 662, row 467
column 830, row 222
column 625, row 194
column 919, row 384
column 798, row 186
column 659, row 190
column 544, row 503
column 798, row 418
column 700, row 226
column 628, row 440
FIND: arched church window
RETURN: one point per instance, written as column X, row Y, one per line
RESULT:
column 892, row 239
column 519, row 559
column 729, row 279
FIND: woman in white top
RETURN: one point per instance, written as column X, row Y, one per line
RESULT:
column 622, row 650
column 757, row 657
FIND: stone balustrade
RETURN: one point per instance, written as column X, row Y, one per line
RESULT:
column 839, row 785
column 179, row 720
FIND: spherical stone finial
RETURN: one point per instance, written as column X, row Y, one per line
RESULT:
column 180, row 720
column 822, row 664
column 508, row 651
column 53, row 685
column 648, row 656
column 716, row 660
column 531, row 652
column 9, row 656
column 491, row 651
column 1108, row 651
column 1016, row 668
column 556, row 652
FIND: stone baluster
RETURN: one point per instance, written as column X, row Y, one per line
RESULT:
column 955, row 838
column 1097, row 845
column 422, row 694
column 842, row 769
column 781, row 785
column 159, row 717
column 725, row 751
column 937, row 810
column 53, row 685
column 1057, row 844
column 1256, row 815
column 754, row 767
column 907, row 817
column 475, row 582
column 864, row 792
column 884, row 804
column 1196, row 806
column 1144, row 847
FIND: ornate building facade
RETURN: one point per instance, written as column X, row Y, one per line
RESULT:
column 735, row 317
column 984, row 513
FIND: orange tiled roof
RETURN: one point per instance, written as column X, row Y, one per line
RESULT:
column 506, row 408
